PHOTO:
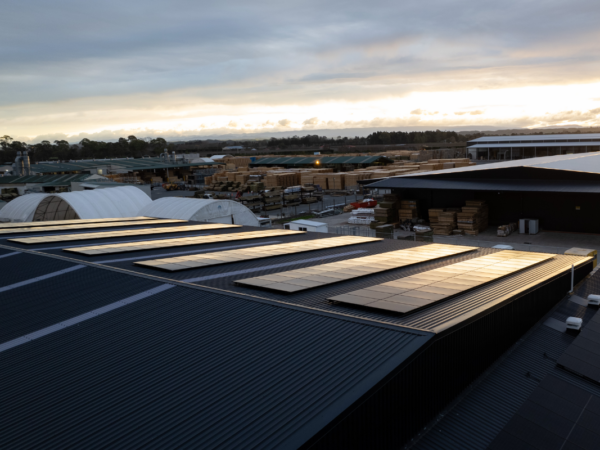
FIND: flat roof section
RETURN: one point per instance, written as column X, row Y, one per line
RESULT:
column 266, row 251
column 410, row 294
column 108, row 249
column 71, row 222
column 120, row 233
column 87, row 226
column 302, row 279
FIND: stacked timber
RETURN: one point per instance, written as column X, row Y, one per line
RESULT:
column 434, row 215
column 446, row 223
column 473, row 217
column 408, row 210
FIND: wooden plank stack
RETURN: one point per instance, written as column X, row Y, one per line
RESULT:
column 434, row 215
column 473, row 218
column 446, row 223
column 408, row 210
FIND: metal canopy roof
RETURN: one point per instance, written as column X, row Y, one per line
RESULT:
column 539, row 137
column 48, row 180
column 322, row 159
column 581, row 162
column 545, row 144
column 129, row 164
column 573, row 186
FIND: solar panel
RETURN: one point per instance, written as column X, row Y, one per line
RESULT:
column 324, row 274
column 87, row 226
column 412, row 293
column 70, row 222
column 265, row 251
column 118, row 233
column 178, row 242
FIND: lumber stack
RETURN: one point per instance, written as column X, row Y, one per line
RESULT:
column 408, row 210
column 434, row 215
column 446, row 223
column 473, row 217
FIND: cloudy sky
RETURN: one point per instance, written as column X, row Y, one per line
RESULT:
column 188, row 68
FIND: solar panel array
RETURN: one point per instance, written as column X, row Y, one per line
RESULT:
column 412, row 293
column 70, row 222
column 324, row 274
column 264, row 251
column 86, row 226
column 118, row 233
column 107, row 249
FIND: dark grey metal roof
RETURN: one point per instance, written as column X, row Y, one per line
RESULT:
column 581, row 162
column 518, row 185
column 539, row 137
column 191, row 368
column 479, row 417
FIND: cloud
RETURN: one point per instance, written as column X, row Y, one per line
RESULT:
column 460, row 113
column 284, row 122
column 417, row 112
column 476, row 113
column 311, row 121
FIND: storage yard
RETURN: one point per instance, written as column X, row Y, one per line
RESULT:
column 245, row 337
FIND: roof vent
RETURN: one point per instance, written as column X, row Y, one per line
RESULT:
column 574, row 324
column 593, row 300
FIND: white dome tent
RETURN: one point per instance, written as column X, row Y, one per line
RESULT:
column 125, row 201
column 199, row 210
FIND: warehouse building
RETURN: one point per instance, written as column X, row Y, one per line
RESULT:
column 562, row 192
column 504, row 148
column 184, row 334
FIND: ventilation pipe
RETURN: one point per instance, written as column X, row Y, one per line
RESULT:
column 26, row 164
column 165, row 155
column 173, row 157
column 18, row 163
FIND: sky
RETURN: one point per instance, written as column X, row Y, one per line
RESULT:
column 182, row 68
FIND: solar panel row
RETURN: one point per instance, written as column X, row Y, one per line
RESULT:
column 178, row 242
column 86, row 226
column 70, row 222
column 265, row 251
column 409, row 294
column 118, row 233
column 324, row 274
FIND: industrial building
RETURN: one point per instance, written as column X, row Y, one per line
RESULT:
column 503, row 148
column 103, row 344
column 562, row 192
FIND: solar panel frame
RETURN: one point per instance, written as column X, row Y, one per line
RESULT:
column 87, row 226
column 238, row 255
column 425, row 289
column 341, row 270
column 72, row 222
column 179, row 242
column 118, row 233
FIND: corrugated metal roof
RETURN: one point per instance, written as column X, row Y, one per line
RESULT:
column 519, row 185
column 545, row 144
column 129, row 164
column 474, row 422
column 49, row 180
column 539, row 137
column 188, row 367
column 581, row 162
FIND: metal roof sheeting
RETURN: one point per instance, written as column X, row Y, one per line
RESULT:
column 545, row 144
column 520, row 185
column 540, row 137
column 193, row 368
column 48, row 180
column 581, row 162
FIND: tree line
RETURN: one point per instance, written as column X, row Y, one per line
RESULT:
column 61, row 150
column 132, row 147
